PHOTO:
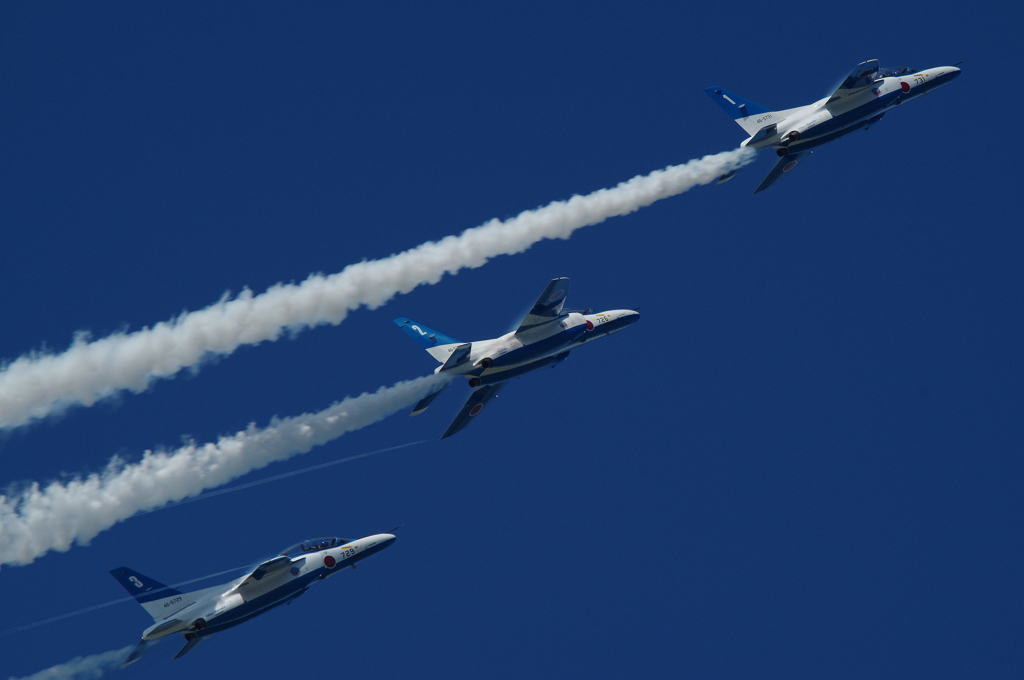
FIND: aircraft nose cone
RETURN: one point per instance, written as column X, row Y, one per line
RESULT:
column 953, row 73
column 625, row 317
column 619, row 319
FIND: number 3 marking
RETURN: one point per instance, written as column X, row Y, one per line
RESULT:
column 135, row 582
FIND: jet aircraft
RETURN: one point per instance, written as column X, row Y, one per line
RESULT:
column 202, row 613
column 543, row 339
column 860, row 101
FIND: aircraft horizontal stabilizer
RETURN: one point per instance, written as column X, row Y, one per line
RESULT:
column 137, row 653
column 764, row 133
column 459, row 355
column 727, row 176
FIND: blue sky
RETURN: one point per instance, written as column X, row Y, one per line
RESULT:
column 803, row 461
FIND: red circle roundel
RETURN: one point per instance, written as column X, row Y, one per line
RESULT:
column 476, row 409
column 590, row 325
column 329, row 562
column 905, row 86
column 789, row 166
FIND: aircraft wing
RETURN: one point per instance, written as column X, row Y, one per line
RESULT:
column 862, row 76
column 785, row 164
column 481, row 397
column 192, row 644
column 269, row 567
column 548, row 307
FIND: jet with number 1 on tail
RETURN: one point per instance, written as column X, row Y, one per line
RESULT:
column 543, row 340
column 200, row 614
column 860, row 101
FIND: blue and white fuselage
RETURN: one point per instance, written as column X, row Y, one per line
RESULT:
column 859, row 102
column 543, row 339
column 503, row 358
column 202, row 613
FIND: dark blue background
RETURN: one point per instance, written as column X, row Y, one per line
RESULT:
column 804, row 461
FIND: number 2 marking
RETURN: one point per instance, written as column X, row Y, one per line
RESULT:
column 419, row 330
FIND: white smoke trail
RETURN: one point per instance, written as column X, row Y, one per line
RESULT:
column 284, row 475
column 39, row 520
column 36, row 385
column 82, row 666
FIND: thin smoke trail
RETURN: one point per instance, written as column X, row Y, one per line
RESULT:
column 111, row 603
column 82, row 666
column 37, row 384
column 283, row 475
column 40, row 519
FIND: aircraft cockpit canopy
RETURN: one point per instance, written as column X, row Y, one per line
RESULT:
column 886, row 72
column 314, row 544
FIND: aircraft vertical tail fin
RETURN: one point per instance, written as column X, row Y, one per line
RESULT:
column 435, row 342
column 747, row 114
column 150, row 593
column 158, row 600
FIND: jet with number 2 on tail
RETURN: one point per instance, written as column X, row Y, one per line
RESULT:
column 543, row 339
column 200, row 614
column 859, row 102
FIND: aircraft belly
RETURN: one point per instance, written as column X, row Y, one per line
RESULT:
column 520, row 361
column 850, row 120
column 541, row 349
column 508, row 373
column 260, row 604
column 851, row 126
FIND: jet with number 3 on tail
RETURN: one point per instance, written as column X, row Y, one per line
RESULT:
column 860, row 101
column 543, row 339
column 200, row 614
